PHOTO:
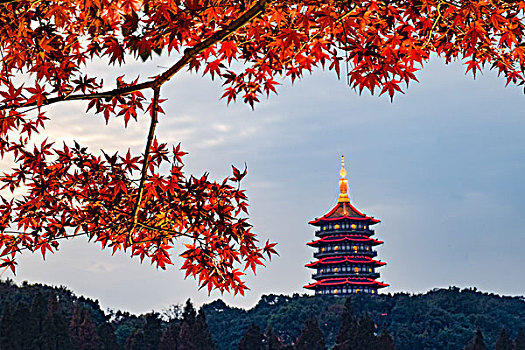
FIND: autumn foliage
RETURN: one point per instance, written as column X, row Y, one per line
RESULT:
column 144, row 203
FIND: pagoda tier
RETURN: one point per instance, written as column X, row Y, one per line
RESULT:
column 345, row 249
column 345, row 286
column 344, row 210
column 343, row 239
column 348, row 259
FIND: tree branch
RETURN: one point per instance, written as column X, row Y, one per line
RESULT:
column 85, row 233
column 219, row 36
column 151, row 136
column 174, row 233
column 189, row 54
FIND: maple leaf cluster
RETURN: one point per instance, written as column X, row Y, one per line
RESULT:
column 129, row 201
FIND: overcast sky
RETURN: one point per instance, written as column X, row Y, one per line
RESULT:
column 442, row 167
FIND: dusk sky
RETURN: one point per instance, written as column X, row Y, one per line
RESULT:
column 443, row 167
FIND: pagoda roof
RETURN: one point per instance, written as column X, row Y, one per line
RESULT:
column 360, row 281
column 343, row 259
column 341, row 238
column 344, row 210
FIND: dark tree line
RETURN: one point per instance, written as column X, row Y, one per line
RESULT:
column 354, row 334
column 360, row 334
column 36, row 317
column 445, row 319
column 504, row 342
column 44, row 325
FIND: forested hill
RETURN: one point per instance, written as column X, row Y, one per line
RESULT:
column 439, row 319
column 43, row 317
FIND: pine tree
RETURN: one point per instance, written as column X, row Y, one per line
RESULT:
column 504, row 342
column 56, row 330
column 38, row 315
column 477, row 343
column 252, row 339
column 152, row 331
column 385, row 341
column 346, row 338
column 311, row 337
column 136, row 341
column 365, row 338
column 170, row 337
column 204, row 340
column 271, row 340
column 83, row 330
column 106, row 332
column 194, row 333
column 189, row 314
column 6, row 327
column 187, row 323
column 15, row 332
column 519, row 342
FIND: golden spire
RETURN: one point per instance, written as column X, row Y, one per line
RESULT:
column 343, row 183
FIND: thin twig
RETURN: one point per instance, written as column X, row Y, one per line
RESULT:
column 434, row 25
column 85, row 233
column 174, row 233
column 145, row 165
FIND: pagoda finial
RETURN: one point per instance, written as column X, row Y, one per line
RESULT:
column 343, row 183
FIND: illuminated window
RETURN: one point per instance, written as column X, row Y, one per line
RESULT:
column 324, row 228
column 364, row 227
column 336, row 227
column 355, row 248
column 336, row 247
column 323, row 249
column 369, row 269
column 357, row 290
column 356, row 269
column 353, row 226
column 336, row 269
column 335, row 291
column 373, row 291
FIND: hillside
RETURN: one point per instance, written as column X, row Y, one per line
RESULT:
column 41, row 317
column 440, row 319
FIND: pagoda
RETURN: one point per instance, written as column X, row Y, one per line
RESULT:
column 345, row 253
